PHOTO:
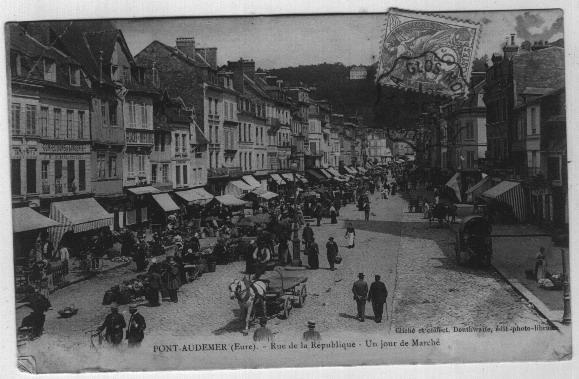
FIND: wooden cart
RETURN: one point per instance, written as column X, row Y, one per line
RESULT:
column 286, row 289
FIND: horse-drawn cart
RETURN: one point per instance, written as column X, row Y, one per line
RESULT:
column 286, row 289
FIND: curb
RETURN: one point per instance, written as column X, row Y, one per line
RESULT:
column 552, row 317
column 78, row 280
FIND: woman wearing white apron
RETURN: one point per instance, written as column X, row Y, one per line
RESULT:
column 350, row 235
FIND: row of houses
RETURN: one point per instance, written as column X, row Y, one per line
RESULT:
column 91, row 120
column 512, row 126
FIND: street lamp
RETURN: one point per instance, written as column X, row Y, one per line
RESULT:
column 296, row 261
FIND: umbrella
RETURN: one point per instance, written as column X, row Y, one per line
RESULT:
column 246, row 221
column 260, row 218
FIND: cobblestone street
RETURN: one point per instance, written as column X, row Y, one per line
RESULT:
column 426, row 289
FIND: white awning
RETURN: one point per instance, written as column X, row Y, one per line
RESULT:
column 81, row 215
column 512, row 194
column 288, row 177
column 278, row 179
column 251, row 181
column 230, row 200
column 143, row 190
column 237, row 188
column 195, row 195
column 302, row 178
column 26, row 219
column 165, row 202
column 267, row 195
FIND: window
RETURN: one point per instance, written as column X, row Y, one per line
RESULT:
column 16, row 64
column 184, row 143
column 30, row 119
column 132, row 115
column 144, row 119
column 178, row 175
column 31, row 176
column 57, row 121
column 141, row 163
column 44, row 177
column 131, row 164
column 469, row 130
column 184, row 174
column 15, row 118
column 470, row 159
column 162, row 142
column 74, row 74
column 69, row 120
column 225, row 104
column 112, row 166
column 81, row 124
column 16, row 178
column 114, row 72
column 113, row 113
column 101, row 165
column 58, row 176
column 70, row 176
column 81, row 175
column 126, row 75
column 177, row 144
column 553, row 168
column 49, row 70
column 533, row 121
column 44, row 121
column 216, row 134
column 165, row 173
column 153, row 173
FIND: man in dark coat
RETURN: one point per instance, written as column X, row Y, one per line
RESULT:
column 172, row 278
column 262, row 333
column 377, row 295
column 114, row 325
column 154, row 284
column 311, row 334
column 141, row 254
column 360, row 291
column 313, row 252
column 318, row 214
column 136, row 328
column 307, row 235
column 332, row 252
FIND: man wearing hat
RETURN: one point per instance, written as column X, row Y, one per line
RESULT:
column 114, row 325
column 331, row 252
column 377, row 295
column 360, row 291
column 263, row 333
column 136, row 329
column 311, row 334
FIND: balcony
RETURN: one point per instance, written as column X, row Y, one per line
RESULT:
column 223, row 172
column 213, row 117
column 58, row 186
column 139, row 137
column 161, row 156
column 108, row 136
column 107, row 187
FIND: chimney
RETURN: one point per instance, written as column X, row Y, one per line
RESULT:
column 209, row 54
column 186, row 45
column 512, row 40
column 261, row 75
column 510, row 50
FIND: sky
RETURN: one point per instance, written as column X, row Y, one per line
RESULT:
column 284, row 41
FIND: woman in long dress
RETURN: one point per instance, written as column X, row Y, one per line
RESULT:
column 350, row 235
column 333, row 214
column 313, row 252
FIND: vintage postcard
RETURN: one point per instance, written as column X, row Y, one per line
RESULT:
column 289, row 190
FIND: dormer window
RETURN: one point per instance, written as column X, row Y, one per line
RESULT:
column 114, row 72
column 74, row 74
column 49, row 70
column 16, row 64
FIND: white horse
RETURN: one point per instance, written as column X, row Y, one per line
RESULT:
column 247, row 295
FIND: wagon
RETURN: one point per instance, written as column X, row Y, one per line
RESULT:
column 473, row 241
column 286, row 289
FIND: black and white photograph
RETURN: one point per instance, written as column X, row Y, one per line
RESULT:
column 288, row 190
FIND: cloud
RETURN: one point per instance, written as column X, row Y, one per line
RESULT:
column 485, row 21
column 533, row 27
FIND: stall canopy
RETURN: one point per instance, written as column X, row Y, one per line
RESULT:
column 81, row 215
column 26, row 219
column 302, row 178
column 267, row 195
column 351, row 170
column 475, row 191
column 315, row 174
column 195, row 196
column 334, row 172
column 143, row 190
column 165, row 202
column 277, row 179
column 510, row 193
column 230, row 200
column 326, row 173
column 289, row 177
column 362, row 170
column 454, row 185
column 251, row 181
column 237, row 188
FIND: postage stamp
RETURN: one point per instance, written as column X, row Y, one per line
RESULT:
column 427, row 52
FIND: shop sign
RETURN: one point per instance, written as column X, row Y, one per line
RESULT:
column 66, row 148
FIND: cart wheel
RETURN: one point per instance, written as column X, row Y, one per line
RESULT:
column 287, row 306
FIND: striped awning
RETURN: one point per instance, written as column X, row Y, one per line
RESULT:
column 277, row 179
column 333, row 171
column 510, row 193
column 165, row 202
column 195, row 196
column 302, row 178
column 143, row 190
column 26, row 219
column 289, row 177
column 81, row 215
column 251, row 181
column 316, row 174
column 326, row 173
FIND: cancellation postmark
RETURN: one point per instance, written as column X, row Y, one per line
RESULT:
column 427, row 52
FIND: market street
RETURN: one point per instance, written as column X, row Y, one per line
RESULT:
column 427, row 288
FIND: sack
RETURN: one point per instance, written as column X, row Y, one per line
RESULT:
column 338, row 259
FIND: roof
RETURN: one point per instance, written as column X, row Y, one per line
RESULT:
column 543, row 68
column 251, row 181
column 26, row 219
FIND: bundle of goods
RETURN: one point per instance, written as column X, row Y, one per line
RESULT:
column 126, row 292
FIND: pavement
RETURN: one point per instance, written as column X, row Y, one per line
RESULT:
column 426, row 289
